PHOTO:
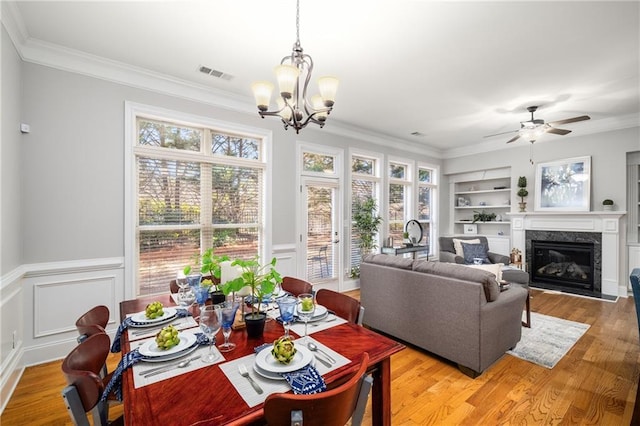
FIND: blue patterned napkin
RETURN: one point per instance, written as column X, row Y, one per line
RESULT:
column 128, row 360
column 128, row 322
column 304, row 381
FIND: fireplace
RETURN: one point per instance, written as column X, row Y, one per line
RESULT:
column 565, row 261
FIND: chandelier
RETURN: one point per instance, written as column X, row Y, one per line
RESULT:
column 293, row 74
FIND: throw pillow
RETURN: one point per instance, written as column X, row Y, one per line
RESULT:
column 474, row 251
column 457, row 244
column 494, row 268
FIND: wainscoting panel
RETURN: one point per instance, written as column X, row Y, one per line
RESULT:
column 56, row 294
column 54, row 318
column 286, row 259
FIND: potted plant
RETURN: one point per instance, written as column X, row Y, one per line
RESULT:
column 262, row 280
column 522, row 192
column 209, row 263
column 406, row 240
column 366, row 224
column 365, row 227
column 483, row 216
column 607, row 205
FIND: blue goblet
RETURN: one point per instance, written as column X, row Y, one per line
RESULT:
column 229, row 309
column 202, row 294
column 287, row 306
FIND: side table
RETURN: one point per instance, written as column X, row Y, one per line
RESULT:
column 402, row 250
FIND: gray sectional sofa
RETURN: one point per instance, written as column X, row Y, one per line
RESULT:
column 453, row 311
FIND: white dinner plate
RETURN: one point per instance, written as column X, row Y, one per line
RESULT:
column 140, row 319
column 320, row 311
column 268, row 363
column 164, row 358
column 150, row 349
column 274, row 376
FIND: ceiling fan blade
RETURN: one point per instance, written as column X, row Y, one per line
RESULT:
column 498, row 134
column 515, row 138
column 570, row 120
column 558, row 131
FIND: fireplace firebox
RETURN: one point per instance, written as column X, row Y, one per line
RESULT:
column 563, row 263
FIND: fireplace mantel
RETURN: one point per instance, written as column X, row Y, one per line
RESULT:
column 607, row 223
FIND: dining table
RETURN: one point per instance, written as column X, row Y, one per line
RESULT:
column 207, row 395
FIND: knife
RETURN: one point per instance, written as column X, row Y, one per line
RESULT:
column 165, row 367
column 322, row 360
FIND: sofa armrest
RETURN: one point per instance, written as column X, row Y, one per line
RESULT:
column 498, row 258
column 448, row 257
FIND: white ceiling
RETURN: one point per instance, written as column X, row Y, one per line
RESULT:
column 453, row 71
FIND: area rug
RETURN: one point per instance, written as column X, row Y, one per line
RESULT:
column 548, row 339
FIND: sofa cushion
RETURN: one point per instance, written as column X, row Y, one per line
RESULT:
column 457, row 245
column 474, row 251
column 391, row 261
column 462, row 272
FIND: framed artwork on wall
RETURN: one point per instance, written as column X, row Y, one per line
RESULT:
column 563, row 185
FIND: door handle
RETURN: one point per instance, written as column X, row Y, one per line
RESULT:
column 335, row 241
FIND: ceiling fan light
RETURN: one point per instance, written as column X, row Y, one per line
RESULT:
column 328, row 87
column 262, row 94
column 287, row 76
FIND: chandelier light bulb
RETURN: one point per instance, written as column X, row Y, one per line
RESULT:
column 262, row 93
column 318, row 103
column 287, row 76
column 328, row 87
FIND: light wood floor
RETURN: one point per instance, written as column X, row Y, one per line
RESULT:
column 594, row 384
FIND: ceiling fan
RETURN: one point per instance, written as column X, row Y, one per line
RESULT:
column 534, row 128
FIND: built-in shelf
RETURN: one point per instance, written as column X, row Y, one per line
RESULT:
column 502, row 207
column 485, row 191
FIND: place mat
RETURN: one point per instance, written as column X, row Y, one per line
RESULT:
column 330, row 321
column 143, row 333
column 140, row 381
column 246, row 391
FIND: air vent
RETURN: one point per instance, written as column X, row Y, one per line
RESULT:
column 215, row 73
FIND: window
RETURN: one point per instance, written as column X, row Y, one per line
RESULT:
column 196, row 187
column 427, row 189
column 399, row 204
column 365, row 182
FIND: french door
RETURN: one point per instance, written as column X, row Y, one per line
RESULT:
column 320, row 236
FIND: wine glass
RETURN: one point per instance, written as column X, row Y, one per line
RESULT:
column 229, row 309
column 287, row 306
column 210, row 323
column 181, row 280
column 306, row 307
column 186, row 297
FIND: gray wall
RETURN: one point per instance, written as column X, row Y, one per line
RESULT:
column 75, row 156
column 10, row 157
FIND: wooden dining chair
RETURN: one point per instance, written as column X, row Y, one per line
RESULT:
column 81, row 369
column 296, row 286
column 94, row 321
column 333, row 407
column 344, row 306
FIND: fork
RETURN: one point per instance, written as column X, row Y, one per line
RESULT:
column 242, row 369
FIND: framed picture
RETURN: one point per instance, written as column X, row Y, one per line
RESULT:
column 563, row 185
column 470, row 228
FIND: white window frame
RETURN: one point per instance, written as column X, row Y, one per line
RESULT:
column 408, row 182
column 378, row 179
column 434, row 185
column 133, row 111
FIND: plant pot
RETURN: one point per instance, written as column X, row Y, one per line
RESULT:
column 255, row 324
column 523, row 207
column 217, row 297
